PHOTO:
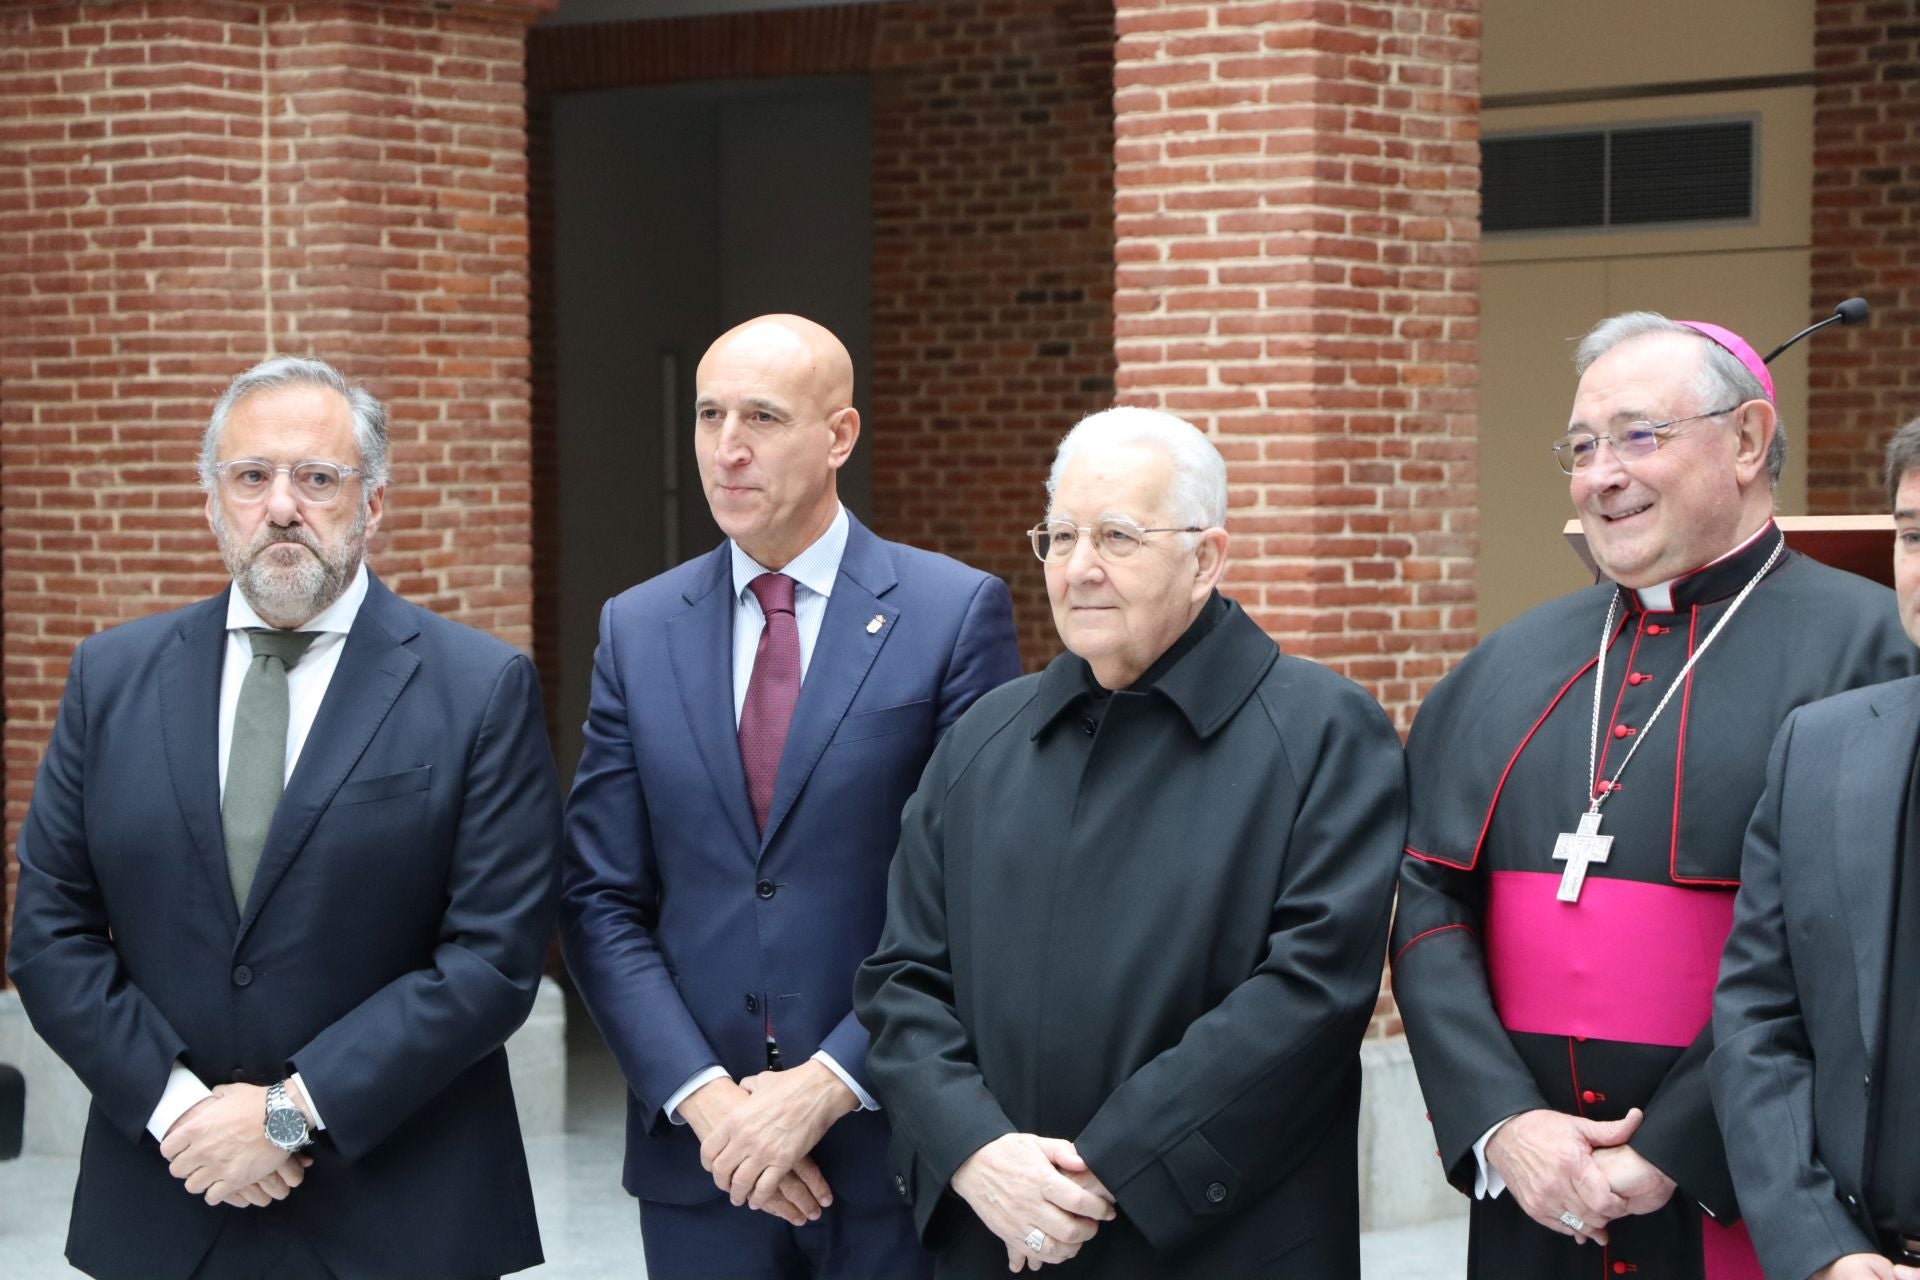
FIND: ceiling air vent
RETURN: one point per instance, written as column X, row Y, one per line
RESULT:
column 1637, row 177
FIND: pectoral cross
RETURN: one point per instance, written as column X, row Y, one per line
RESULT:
column 1578, row 850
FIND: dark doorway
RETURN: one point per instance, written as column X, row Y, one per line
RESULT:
column 679, row 211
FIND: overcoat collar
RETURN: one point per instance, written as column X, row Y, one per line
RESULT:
column 1207, row 686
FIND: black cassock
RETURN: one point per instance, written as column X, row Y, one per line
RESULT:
column 1513, row 1000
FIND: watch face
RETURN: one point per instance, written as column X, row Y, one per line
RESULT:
column 286, row 1127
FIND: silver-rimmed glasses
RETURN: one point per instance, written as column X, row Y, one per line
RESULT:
column 1113, row 538
column 250, row 479
column 1576, row 450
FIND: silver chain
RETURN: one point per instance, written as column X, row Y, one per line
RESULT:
column 1600, row 681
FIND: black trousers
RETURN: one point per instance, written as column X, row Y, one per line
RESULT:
column 258, row 1244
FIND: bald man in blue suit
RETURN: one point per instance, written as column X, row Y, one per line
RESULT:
column 758, row 718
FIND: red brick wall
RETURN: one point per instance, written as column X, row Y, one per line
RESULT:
column 992, row 271
column 188, row 187
column 1863, row 382
column 1297, row 241
column 1298, row 247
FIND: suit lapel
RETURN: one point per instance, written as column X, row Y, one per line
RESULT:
column 842, row 655
column 700, row 646
column 374, row 667
column 190, row 730
column 1874, row 768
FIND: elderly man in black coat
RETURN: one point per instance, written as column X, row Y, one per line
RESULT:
column 1137, row 918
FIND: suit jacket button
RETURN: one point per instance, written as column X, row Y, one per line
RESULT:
column 766, row 888
column 1216, row 1192
column 237, row 1075
column 753, row 1004
column 242, row 975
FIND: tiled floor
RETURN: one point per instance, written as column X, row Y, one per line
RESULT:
column 588, row 1224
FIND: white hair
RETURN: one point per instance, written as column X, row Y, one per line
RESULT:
column 369, row 415
column 1197, row 494
column 1721, row 377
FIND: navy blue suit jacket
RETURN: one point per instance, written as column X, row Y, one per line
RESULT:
column 679, row 919
column 392, row 940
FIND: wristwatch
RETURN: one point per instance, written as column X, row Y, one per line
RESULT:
column 286, row 1123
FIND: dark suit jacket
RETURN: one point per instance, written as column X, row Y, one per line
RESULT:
column 679, row 920
column 393, row 938
column 1797, row 1014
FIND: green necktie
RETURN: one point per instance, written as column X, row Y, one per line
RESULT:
column 257, row 758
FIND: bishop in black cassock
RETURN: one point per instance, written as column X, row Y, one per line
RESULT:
column 1519, row 1001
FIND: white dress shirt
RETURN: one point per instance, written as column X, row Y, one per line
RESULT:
column 813, row 572
column 306, row 687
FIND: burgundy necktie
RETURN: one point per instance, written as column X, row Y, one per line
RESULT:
column 771, row 693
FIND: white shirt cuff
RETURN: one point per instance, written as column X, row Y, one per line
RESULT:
column 183, row 1090
column 1487, row 1182
column 705, row 1076
column 867, row 1102
column 313, row 1108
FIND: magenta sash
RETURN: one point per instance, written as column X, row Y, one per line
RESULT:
column 1630, row 961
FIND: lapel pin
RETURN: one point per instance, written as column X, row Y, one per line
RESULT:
column 873, row 627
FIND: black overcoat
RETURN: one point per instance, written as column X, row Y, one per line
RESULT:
column 1152, row 924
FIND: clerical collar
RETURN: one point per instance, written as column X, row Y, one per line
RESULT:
column 1716, row 580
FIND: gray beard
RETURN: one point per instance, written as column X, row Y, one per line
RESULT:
column 291, row 595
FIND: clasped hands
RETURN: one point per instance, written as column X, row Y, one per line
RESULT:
column 1020, row 1184
column 219, row 1148
column 1557, row 1164
column 756, row 1136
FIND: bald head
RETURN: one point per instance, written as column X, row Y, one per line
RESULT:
column 809, row 360
column 774, row 424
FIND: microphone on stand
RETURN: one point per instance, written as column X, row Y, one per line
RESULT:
column 1852, row 311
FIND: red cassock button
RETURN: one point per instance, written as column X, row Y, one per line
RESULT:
column 1655, row 629
column 1589, row 1097
column 1638, row 677
column 1623, row 731
column 1621, row 1268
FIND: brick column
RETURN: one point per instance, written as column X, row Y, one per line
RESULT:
column 1862, row 383
column 1298, row 247
column 992, row 271
column 186, row 188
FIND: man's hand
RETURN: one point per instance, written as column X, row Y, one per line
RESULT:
column 1864, row 1266
column 277, row 1185
column 1546, row 1158
column 219, row 1148
column 1633, row 1179
column 1020, row 1183
column 764, row 1138
column 797, row 1195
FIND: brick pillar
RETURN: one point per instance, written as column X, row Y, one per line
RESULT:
column 1862, row 383
column 186, row 188
column 1297, row 240
column 992, row 271
column 1296, row 197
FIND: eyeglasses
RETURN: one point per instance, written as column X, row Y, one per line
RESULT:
column 1577, row 449
column 1113, row 539
column 250, row 479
